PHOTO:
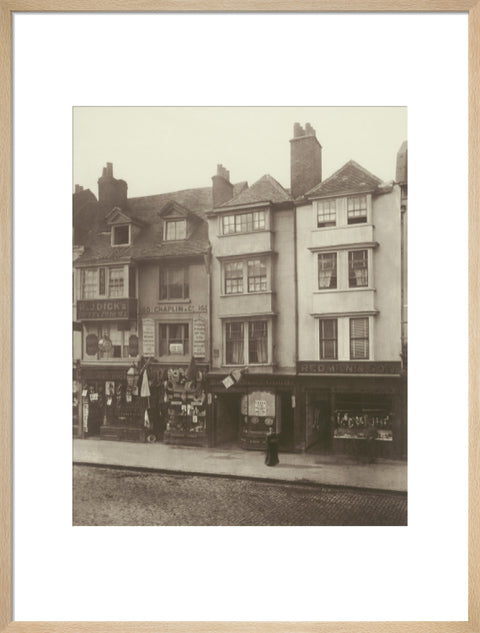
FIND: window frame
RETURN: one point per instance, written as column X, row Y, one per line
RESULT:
column 354, row 215
column 164, row 273
column 322, row 339
column 247, row 340
column 332, row 255
column 351, row 261
column 234, row 221
column 176, row 222
column 366, row 338
column 115, row 227
column 327, row 220
column 100, row 288
column 236, row 266
column 246, row 265
column 112, row 285
column 185, row 340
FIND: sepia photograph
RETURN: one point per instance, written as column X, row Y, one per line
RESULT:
column 240, row 316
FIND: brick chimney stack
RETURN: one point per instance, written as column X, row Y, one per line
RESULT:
column 222, row 188
column 111, row 192
column 78, row 188
column 305, row 160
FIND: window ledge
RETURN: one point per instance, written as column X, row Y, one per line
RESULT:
column 244, row 233
column 361, row 289
column 170, row 301
column 247, row 294
column 320, row 229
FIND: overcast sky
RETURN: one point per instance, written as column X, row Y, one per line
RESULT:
column 163, row 149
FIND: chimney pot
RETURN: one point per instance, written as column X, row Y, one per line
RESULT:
column 297, row 130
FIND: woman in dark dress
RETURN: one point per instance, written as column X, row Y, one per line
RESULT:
column 271, row 457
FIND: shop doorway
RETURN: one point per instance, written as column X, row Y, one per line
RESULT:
column 319, row 432
column 227, row 419
column 287, row 417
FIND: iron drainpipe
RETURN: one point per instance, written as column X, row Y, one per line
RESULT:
column 295, row 282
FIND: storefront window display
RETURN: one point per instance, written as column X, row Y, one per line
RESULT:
column 357, row 424
column 259, row 413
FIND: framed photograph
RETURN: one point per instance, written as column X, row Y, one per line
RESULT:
column 239, row 306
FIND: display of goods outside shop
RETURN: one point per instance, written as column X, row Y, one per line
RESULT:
column 185, row 402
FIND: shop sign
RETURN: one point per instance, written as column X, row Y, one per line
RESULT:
column 91, row 310
column 260, row 408
column 174, row 307
column 346, row 367
column 148, row 337
column 199, row 338
column 91, row 344
column 133, row 345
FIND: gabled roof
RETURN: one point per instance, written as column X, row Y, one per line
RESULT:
column 351, row 178
column 266, row 189
column 117, row 216
column 174, row 209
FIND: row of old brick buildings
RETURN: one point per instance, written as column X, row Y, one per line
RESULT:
column 207, row 316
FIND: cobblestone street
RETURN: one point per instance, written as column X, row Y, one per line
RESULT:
column 105, row 496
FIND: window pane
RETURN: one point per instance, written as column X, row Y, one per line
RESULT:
column 233, row 277
column 234, row 343
column 327, row 270
column 174, row 283
column 89, row 283
column 115, row 282
column 357, row 269
column 257, row 342
column 359, row 338
column 121, row 235
column 257, row 275
column 328, row 338
column 357, row 210
column 176, row 230
column 326, row 213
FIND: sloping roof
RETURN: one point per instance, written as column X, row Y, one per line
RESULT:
column 266, row 189
column 148, row 241
column 351, row 178
column 148, row 244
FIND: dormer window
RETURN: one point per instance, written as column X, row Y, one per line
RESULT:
column 175, row 230
column 121, row 235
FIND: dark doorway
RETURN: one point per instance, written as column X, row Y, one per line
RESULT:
column 227, row 419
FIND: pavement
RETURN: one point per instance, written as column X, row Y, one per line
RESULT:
column 306, row 468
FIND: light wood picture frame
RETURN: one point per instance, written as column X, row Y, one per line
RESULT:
column 7, row 9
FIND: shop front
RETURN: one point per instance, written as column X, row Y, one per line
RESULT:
column 244, row 411
column 353, row 408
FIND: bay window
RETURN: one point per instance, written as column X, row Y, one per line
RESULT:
column 103, row 282
column 245, row 275
column 244, row 222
